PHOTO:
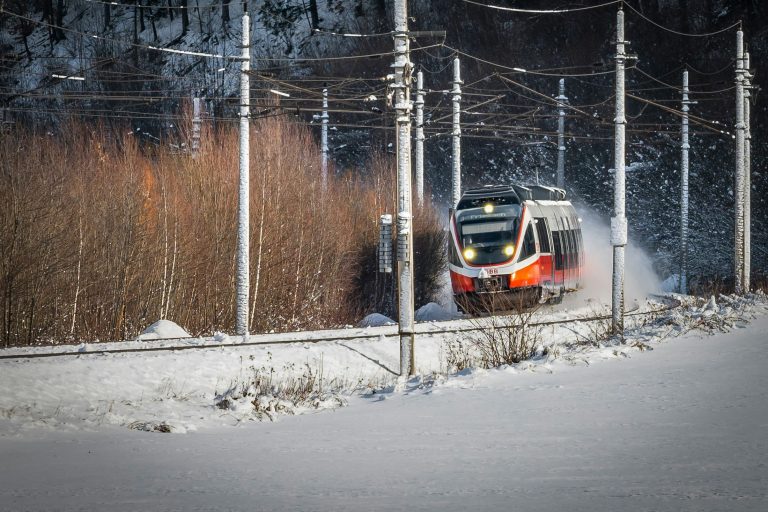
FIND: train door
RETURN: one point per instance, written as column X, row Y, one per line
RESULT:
column 569, row 254
column 546, row 263
column 557, row 248
column 579, row 250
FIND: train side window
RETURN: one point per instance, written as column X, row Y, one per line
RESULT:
column 529, row 244
column 566, row 243
column 541, row 231
column 579, row 247
column 556, row 241
column 453, row 255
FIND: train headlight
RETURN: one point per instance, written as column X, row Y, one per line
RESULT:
column 488, row 208
column 469, row 254
column 509, row 250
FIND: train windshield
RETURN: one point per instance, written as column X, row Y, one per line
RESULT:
column 488, row 237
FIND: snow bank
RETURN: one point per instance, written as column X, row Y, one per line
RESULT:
column 434, row 312
column 376, row 320
column 163, row 329
column 671, row 284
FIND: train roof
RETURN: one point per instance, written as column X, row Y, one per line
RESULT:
column 510, row 194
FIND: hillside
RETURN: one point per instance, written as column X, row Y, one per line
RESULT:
column 293, row 48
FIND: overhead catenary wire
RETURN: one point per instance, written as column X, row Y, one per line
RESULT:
column 694, row 119
column 677, row 32
column 203, row 54
column 542, row 11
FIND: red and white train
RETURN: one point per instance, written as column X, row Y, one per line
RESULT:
column 514, row 242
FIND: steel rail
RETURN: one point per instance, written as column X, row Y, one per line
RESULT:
column 422, row 328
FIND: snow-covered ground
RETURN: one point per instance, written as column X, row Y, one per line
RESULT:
column 681, row 427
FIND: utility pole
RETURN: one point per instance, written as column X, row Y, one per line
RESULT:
column 404, row 218
column 619, row 219
column 561, row 100
column 456, row 92
column 747, row 176
column 243, row 228
column 324, row 140
column 419, row 104
column 684, row 190
column 740, row 171
column 196, row 122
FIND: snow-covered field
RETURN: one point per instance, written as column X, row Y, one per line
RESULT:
column 681, row 427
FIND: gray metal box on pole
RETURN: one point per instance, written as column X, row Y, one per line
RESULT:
column 385, row 244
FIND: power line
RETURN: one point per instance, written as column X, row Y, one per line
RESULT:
column 685, row 34
column 541, row 11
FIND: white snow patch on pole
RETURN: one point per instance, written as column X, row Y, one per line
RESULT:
column 684, row 190
column 196, row 122
column 419, row 150
column 747, row 176
column 404, row 236
column 456, row 135
column 243, row 229
column 561, row 100
column 324, row 141
column 738, row 189
column 619, row 219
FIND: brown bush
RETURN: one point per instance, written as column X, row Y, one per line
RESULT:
column 100, row 237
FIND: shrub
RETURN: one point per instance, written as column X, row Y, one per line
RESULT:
column 100, row 236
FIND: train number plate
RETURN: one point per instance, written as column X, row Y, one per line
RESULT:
column 491, row 284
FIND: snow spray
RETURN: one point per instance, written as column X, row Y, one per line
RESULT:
column 640, row 278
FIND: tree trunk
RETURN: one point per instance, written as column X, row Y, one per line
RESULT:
column 60, row 12
column 314, row 14
column 154, row 27
column 184, row 17
column 48, row 17
column 142, row 26
column 107, row 16
column 225, row 14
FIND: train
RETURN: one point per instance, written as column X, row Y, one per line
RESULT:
column 518, row 245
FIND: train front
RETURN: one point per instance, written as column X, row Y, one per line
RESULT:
column 484, row 236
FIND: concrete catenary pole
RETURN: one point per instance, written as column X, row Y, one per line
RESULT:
column 747, row 177
column 404, row 218
column 684, row 190
column 561, row 101
column 456, row 161
column 243, row 229
column 739, row 176
column 619, row 219
column 419, row 149
column 196, row 122
column 324, row 141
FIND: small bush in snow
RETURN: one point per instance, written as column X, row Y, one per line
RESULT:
column 498, row 340
column 264, row 396
column 506, row 340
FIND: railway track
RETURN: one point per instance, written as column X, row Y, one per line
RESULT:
column 424, row 328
